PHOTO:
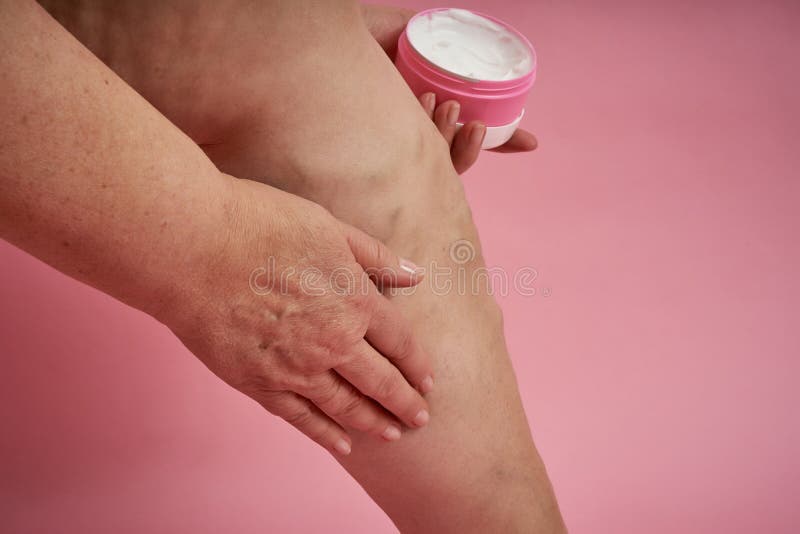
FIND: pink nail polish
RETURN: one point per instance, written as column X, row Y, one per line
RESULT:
column 392, row 433
column 430, row 101
column 342, row 447
column 452, row 114
column 426, row 385
column 477, row 135
column 408, row 266
column 422, row 418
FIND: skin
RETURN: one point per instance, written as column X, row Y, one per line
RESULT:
column 321, row 130
column 105, row 189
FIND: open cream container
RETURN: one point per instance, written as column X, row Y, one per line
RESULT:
column 477, row 60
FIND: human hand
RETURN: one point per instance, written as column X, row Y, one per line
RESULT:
column 311, row 339
column 465, row 141
column 386, row 23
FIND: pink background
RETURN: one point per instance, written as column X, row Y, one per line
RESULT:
column 660, row 374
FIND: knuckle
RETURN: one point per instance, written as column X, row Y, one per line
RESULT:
column 270, row 380
column 348, row 406
column 297, row 383
column 324, row 392
column 404, row 345
column 373, row 249
column 300, row 418
column 270, row 400
column 359, row 313
column 257, row 384
column 382, row 253
column 387, row 386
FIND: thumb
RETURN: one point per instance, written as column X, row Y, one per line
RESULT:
column 382, row 265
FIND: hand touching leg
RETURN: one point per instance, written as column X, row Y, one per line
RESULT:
column 339, row 126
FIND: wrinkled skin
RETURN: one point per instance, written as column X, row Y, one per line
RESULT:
column 308, row 341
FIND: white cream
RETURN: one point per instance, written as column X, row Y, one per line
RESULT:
column 470, row 45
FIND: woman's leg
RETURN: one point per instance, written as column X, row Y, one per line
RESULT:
column 298, row 95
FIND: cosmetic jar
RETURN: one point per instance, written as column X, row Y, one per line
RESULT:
column 477, row 60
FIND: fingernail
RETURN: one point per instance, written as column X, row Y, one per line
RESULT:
column 430, row 101
column 422, row 418
column 408, row 266
column 452, row 114
column 392, row 433
column 477, row 135
column 343, row 447
column 426, row 385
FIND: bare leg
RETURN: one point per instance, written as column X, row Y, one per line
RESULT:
column 298, row 95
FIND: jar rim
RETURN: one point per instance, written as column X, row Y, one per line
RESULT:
column 497, row 83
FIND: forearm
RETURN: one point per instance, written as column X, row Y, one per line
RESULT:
column 93, row 180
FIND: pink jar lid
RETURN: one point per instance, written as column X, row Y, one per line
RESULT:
column 495, row 102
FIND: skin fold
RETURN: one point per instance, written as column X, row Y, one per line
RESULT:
column 298, row 95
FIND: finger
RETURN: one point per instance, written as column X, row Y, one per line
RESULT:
column 376, row 377
column 467, row 146
column 428, row 101
column 521, row 141
column 307, row 418
column 445, row 117
column 379, row 262
column 391, row 335
column 345, row 404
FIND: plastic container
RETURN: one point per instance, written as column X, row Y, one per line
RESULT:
column 498, row 104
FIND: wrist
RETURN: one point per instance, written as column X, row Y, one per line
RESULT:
column 186, row 265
